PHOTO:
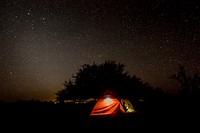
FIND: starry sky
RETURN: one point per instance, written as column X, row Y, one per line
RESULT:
column 45, row 42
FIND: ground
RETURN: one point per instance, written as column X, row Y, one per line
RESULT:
column 63, row 117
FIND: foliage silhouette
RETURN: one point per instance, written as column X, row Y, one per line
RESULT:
column 93, row 81
column 190, row 84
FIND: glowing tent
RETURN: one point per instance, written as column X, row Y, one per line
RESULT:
column 127, row 106
column 107, row 106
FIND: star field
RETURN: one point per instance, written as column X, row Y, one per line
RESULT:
column 43, row 43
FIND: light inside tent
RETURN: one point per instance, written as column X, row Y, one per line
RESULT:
column 108, row 100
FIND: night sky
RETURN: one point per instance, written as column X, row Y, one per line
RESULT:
column 45, row 42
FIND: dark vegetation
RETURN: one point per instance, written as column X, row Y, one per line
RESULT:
column 156, row 110
column 94, row 81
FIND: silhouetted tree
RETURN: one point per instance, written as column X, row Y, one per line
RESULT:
column 61, row 95
column 93, row 81
column 190, row 84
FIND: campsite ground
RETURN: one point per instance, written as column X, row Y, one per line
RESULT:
column 49, row 117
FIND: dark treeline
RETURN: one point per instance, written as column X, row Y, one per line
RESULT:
column 154, row 107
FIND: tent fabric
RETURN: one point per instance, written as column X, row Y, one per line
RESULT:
column 127, row 105
column 107, row 106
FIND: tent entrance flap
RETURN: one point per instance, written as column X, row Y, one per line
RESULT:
column 127, row 106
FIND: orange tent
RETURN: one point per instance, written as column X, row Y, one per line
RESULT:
column 107, row 106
